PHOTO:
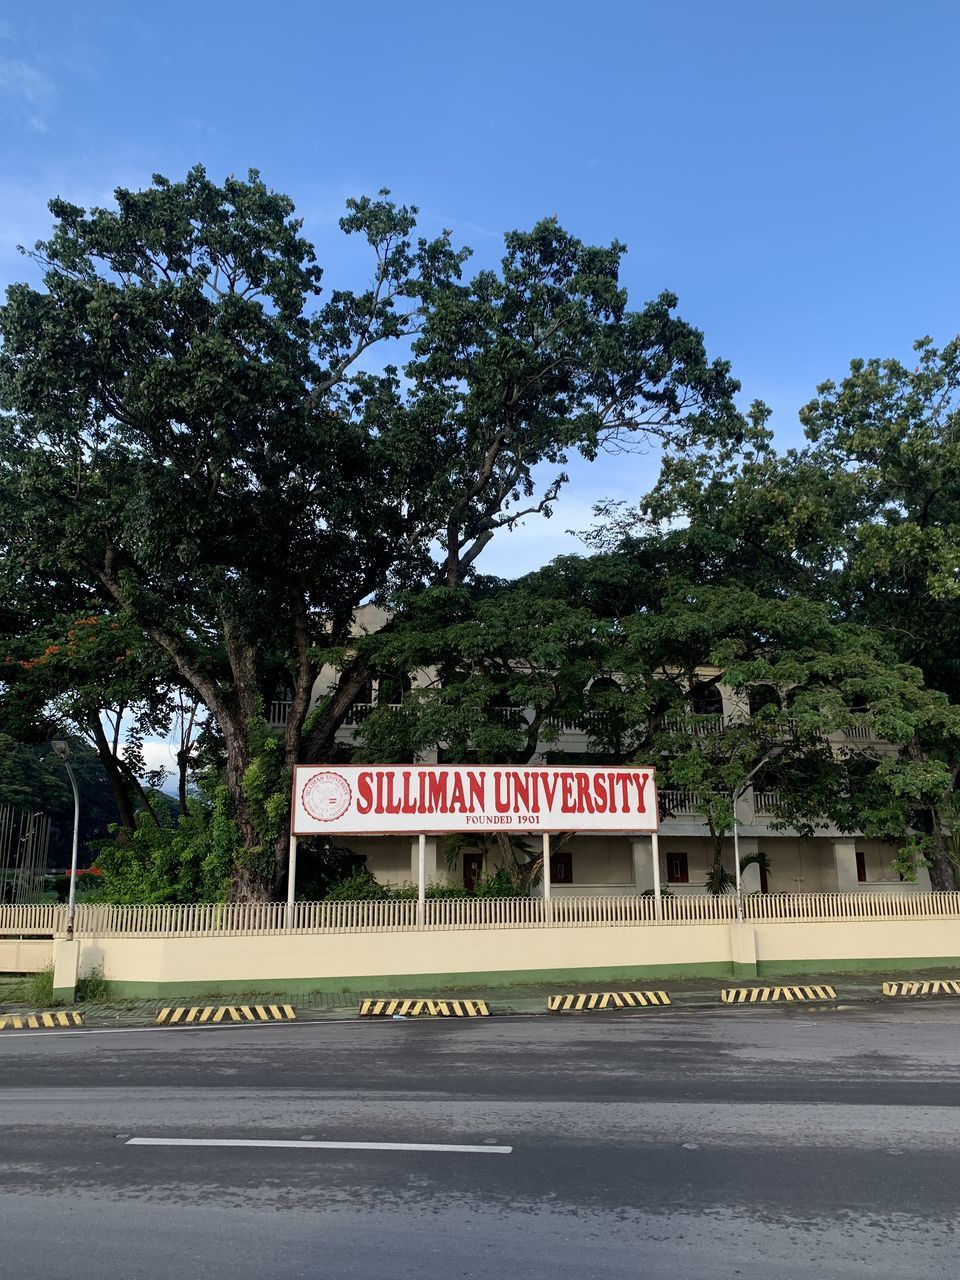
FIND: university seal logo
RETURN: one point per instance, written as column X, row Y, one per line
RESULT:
column 326, row 796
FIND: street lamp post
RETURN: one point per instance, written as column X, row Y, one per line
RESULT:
column 771, row 755
column 62, row 748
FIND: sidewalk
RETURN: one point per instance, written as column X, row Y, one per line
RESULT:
column 521, row 999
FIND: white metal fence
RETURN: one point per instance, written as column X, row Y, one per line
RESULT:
column 246, row 919
column 24, row 840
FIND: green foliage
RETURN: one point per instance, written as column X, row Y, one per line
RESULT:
column 322, row 865
column 29, row 779
column 191, row 859
column 243, row 472
column 93, row 989
column 499, row 884
column 363, row 886
column 520, row 864
column 40, row 989
column 720, row 881
column 360, row 886
column 34, row 780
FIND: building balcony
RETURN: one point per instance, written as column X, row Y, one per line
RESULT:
column 765, row 803
column 279, row 713
column 678, row 804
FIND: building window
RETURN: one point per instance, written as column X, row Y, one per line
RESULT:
column 861, row 866
column 678, row 872
column 561, row 867
column 706, row 700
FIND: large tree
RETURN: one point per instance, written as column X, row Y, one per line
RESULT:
column 193, row 435
column 631, row 648
column 865, row 520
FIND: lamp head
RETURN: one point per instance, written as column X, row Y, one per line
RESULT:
column 61, row 747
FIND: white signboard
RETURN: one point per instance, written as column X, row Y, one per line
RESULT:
column 434, row 798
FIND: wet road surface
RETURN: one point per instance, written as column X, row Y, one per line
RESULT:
column 793, row 1143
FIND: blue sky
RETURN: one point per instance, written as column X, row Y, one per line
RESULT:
column 789, row 169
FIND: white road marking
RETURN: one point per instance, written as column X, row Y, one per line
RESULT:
column 325, row 1146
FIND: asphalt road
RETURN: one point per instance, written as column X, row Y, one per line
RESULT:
column 753, row 1143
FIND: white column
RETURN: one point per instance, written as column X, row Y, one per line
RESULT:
column 845, row 863
column 421, row 879
column 642, row 848
column 655, row 852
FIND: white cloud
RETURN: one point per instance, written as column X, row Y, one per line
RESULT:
column 26, row 84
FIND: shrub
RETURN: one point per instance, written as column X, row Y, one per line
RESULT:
column 93, row 988
column 189, row 859
column 498, row 885
column 40, row 988
column 361, row 886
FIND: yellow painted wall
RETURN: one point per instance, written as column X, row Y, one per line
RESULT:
column 29, row 955
column 263, row 959
column 857, row 940
column 349, row 955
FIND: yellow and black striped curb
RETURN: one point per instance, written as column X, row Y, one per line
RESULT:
column 20, row 1021
column 934, row 987
column 433, row 1008
column 588, row 1000
column 765, row 995
column 226, row 1012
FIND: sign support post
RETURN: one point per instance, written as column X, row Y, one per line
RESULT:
column 655, row 853
column 291, row 879
column 547, row 904
column 421, row 872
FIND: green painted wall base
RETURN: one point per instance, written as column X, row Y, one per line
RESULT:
column 64, row 995
column 420, row 982
column 900, row 965
column 429, row 983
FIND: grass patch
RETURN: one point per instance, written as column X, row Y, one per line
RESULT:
column 13, row 988
column 93, row 989
column 39, row 988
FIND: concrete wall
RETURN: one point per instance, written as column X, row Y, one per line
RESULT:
column 29, row 955
column 414, row 960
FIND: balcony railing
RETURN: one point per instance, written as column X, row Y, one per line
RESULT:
column 696, row 725
column 765, row 802
column 358, row 713
column 589, row 722
column 859, row 730
column 675, row 803
column 279, row 713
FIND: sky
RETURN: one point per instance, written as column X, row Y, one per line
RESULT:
column 789, row 169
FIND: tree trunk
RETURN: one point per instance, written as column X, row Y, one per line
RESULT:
column 943, row 870
column 118, row 786
column 250, row 882
column 319, row 745
column 940, row 863
column 183, row 764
